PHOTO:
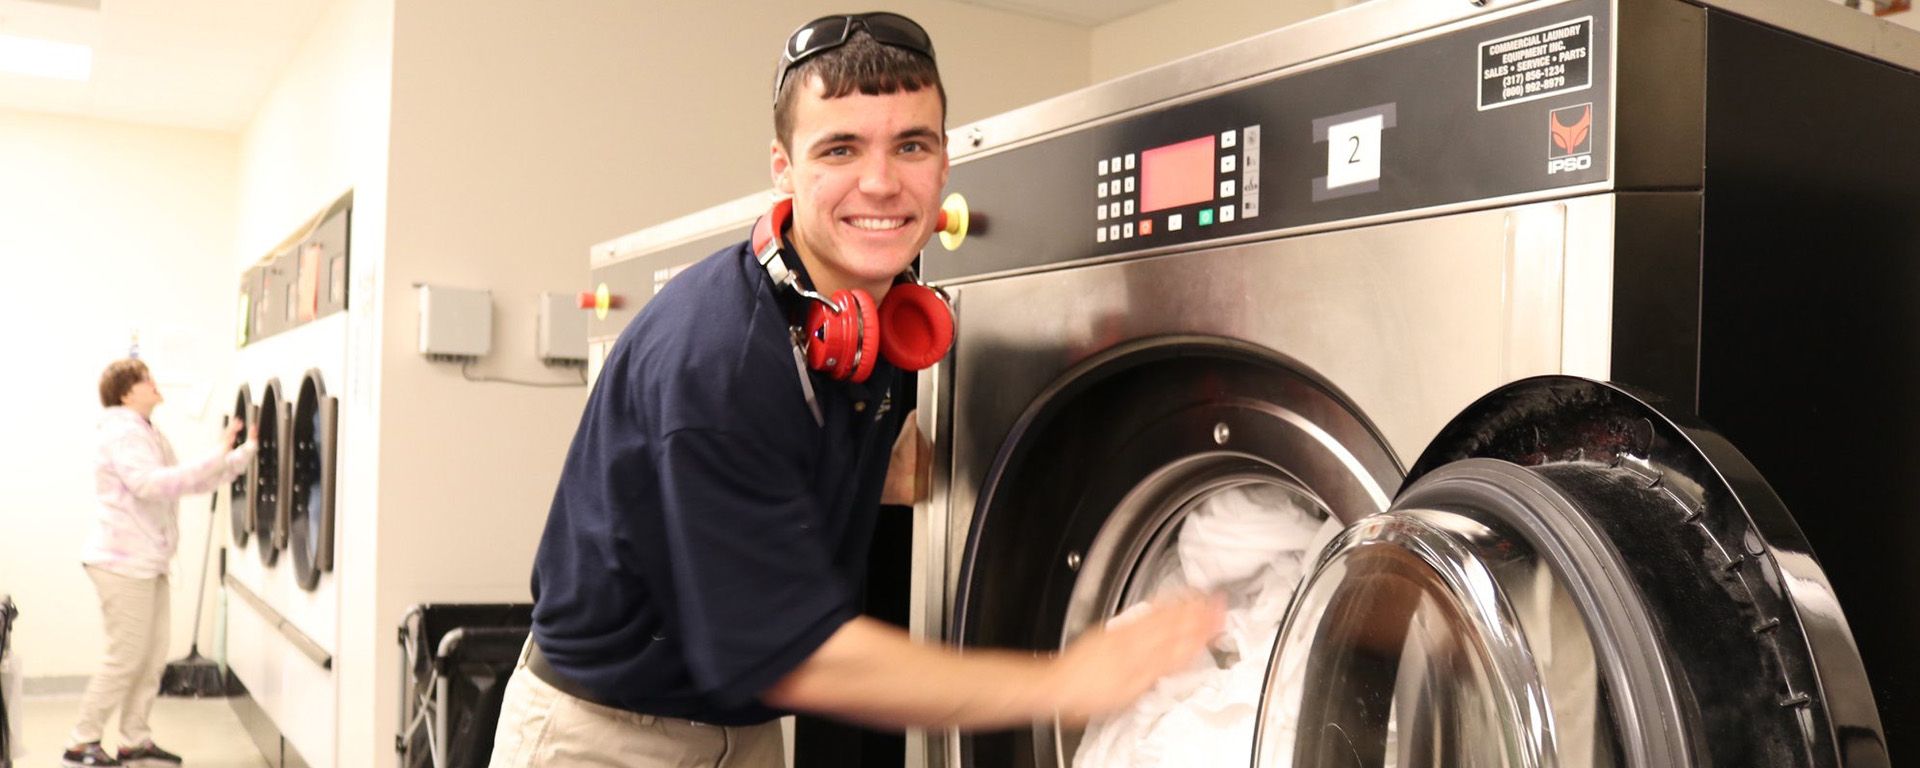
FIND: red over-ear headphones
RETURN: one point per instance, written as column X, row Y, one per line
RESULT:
column 841, row 335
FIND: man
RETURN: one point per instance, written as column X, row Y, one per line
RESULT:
column 138, row 485
column 698, row 572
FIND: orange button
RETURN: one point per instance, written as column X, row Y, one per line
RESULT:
column 1146, row 227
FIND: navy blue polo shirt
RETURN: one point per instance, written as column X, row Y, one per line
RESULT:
column 708, row 535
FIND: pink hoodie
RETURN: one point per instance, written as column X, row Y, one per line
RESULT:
column 139, row 489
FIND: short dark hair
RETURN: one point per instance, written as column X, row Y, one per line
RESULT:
column 862, row 64
column 118, row 379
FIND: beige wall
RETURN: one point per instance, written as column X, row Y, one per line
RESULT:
column 1185, row 27
column 104, row 228
column 524, row 132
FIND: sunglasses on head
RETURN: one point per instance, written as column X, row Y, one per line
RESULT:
column 829, row 32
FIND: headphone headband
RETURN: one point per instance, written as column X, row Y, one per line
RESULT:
column 767, row 243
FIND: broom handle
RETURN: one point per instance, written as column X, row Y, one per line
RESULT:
column 200, row 595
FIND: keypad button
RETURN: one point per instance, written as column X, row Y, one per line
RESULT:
column 1226, row 188
column 1103, row 168
column 1226, row 213
column 1173, row 222
column 1128, row 208
column 1227, row 139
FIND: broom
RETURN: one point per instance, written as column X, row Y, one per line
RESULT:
column 197, row 676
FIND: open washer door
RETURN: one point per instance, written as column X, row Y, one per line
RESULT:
column 270, row 469
column 1569, row 578
column 310, row 502
column 240, row 492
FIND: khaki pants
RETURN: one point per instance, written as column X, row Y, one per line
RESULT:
column 541, row 727
column 136, row 614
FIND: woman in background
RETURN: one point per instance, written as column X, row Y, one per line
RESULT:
column 138, row 484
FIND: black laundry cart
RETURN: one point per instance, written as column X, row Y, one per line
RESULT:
column 457, row 658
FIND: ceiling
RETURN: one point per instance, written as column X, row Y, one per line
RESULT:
column 208, row 64
column 190, row 63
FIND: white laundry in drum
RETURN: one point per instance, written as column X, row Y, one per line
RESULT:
column 1252, row 543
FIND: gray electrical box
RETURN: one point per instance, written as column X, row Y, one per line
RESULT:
column 455, row 323
column 561, row 333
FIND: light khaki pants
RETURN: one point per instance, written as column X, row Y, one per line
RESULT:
column 541, row 727
column 136, row 614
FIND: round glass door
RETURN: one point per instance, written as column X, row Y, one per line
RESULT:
column 240, row 491
column 269, row 471
column 1571, row 578
column 1430, row 637
column 310, row 513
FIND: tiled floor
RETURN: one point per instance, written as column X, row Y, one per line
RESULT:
column 204, row 732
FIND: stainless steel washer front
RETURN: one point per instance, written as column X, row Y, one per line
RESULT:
column 1088, row 400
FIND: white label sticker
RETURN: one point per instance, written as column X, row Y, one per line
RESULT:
column 1353, row 151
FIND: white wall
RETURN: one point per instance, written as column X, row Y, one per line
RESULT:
column 1182, row 28
column 104, row 227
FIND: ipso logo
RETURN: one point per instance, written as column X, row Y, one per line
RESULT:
column 1579, row 163
column 1570, row 135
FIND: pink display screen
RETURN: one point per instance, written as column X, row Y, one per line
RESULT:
column 1176, row 175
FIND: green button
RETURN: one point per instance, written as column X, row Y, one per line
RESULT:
column 1206, row 216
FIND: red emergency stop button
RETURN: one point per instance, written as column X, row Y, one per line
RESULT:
column 599, row 300
column 952, row 224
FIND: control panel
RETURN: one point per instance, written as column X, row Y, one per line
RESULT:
column 1514, row 105
column 1168, row 189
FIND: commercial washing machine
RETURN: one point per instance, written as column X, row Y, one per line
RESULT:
column 1308, row 269
column 1371, row 269
column 283, row 617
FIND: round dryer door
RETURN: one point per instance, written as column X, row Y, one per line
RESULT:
column 310, row 502
column 1570, row 578
column 270, row 469
column 240, row 491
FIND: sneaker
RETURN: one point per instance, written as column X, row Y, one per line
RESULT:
column 88, row 755
column 148, row 755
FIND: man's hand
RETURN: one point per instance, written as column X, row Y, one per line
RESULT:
column 233, row 430
column 870, row 672
column 910, row 470
column 1107, row 669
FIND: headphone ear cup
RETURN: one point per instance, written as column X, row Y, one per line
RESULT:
column 916, row 327
column 823, row 332
column 843, row 344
